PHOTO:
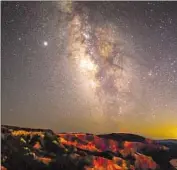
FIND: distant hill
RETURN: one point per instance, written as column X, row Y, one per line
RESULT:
column 168, row 141
column 123, row 137
column 171, row 144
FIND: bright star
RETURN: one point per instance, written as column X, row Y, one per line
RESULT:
column 45, row 43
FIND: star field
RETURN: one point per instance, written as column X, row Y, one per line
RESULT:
column 90, row 66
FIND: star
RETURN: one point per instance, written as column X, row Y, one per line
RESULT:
column 45, row 43
column 150, row 73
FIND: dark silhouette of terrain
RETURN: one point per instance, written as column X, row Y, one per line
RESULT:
column 123, row 137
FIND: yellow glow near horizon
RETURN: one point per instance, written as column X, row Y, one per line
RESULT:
column 163, row 132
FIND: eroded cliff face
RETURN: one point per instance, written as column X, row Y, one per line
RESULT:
column 25, row 148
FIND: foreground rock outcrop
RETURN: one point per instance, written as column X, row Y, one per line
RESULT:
column 38, row 149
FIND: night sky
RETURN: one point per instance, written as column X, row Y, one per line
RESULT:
column 96, row 67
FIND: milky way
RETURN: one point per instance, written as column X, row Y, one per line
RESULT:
column 90, row 66
column 100, row 57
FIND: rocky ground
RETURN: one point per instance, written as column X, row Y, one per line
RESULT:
column 38, row 149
